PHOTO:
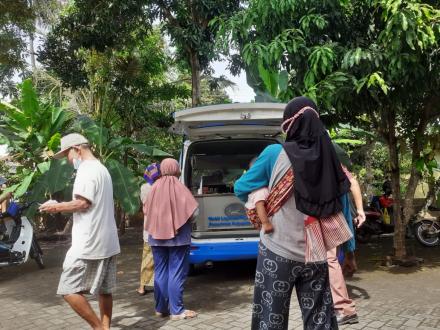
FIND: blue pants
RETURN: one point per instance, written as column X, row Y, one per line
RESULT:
column 171, row 265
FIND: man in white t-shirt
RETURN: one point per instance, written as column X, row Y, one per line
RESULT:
column 90, row 263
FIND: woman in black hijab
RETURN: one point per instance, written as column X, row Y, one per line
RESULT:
column 319, row 179
column 309, row 157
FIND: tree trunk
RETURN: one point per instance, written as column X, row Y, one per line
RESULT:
column 399, row 225
column 408, row 205
column 417, row 147
column 369, row 176
column 32, row 52
column 434, row 189
column 122, row 213
column 31, row 43
column 122, row 223
column 195, row 78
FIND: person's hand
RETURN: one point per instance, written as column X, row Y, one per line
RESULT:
column 49, row 207
column 360, row 218
column 267, row 228
column 5, row 196
column 256, row 225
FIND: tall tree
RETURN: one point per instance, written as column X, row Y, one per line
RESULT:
column 373, row 63
column 102, row 26
column 20, row 23
column 46, row 13
column 188, row 25
column 16, row 22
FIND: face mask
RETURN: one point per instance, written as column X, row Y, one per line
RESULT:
column 76, row 163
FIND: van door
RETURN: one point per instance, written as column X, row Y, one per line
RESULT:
column 233, row 120
column 221, row 141
column 211, row 169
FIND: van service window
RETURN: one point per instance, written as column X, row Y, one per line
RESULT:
column 215, row 165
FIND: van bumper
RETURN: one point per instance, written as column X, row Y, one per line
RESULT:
column 204, row 250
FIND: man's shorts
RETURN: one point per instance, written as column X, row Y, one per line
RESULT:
column 88, row 276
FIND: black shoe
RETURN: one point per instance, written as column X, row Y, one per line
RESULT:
column 347, row 319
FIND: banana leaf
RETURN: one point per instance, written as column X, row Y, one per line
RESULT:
column 149, row 150
column 125, row 186
column 58, row 176
column 29, row 100
column 23, row 187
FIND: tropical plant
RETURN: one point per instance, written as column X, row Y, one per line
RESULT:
column 187, row 24
column 115, row 25
column 124, row 157
column 32, row 129
column 372, row 63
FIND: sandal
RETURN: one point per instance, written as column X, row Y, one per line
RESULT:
column 159, row 314
column 187, row 314
column 141, row 293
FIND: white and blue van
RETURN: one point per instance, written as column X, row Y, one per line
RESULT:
column 219, row 142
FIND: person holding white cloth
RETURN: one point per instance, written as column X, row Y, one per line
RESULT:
column 90, row 263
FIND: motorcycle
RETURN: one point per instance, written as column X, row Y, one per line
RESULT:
column 17, row 239
column 376, row 225
column 427, row 227
column 373, row 225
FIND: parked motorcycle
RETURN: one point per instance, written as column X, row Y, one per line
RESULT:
column 373, row 225
column 17, row 239
column 427, row 227
column 376, row 225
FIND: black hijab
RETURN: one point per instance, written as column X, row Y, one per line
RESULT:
column 319, row 178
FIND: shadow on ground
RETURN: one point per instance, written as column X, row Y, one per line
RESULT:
column 214, row 291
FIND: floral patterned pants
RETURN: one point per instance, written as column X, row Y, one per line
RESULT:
column 275, row 279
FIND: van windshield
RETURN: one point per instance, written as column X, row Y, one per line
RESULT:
column 214, row 166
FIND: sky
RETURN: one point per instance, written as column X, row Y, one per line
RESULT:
column 3, row 149
column 241, row 92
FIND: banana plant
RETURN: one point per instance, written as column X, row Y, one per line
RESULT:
column 124, row 158
column 32, row 129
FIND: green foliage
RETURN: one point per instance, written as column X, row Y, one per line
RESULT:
column 99, row 25
column 127, row 78
column 374, row 64
column 16, row 21
column 122, row 156
column 188, row 23
column 125, row 186
column 20, row 20
column 32, row 132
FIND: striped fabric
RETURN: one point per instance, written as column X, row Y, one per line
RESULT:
column 320, row 235
column 323, row 235
column 315, row 246
column 276, row 199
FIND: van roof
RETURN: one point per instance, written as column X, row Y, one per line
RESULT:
column 192, row 114
column 230, row 119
